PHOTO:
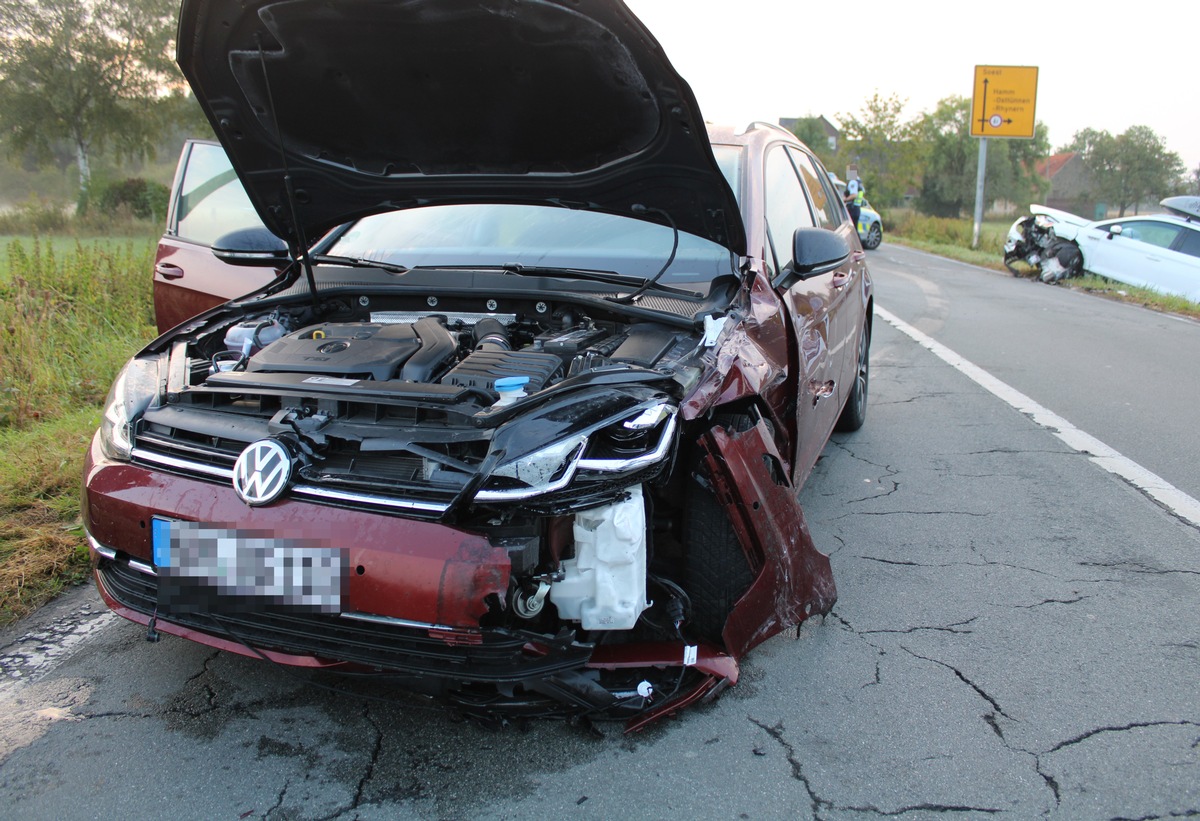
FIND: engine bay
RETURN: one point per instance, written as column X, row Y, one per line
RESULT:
column 457, row 350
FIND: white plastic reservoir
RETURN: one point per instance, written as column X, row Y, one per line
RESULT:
column 604, row 586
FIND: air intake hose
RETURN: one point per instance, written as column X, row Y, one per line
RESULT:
column 491, row 335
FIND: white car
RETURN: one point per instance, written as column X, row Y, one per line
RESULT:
column 1156, row 251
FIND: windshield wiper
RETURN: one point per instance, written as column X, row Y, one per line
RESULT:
column 638, row 284
column 359, row 262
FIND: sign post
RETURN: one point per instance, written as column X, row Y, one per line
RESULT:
column 1003, row 105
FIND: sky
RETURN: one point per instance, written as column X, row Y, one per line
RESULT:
column 1102, row 66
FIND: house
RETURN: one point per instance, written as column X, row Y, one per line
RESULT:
column 1070, row 185
column 831, row 131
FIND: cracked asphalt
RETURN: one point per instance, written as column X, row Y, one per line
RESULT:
column 1016, row 636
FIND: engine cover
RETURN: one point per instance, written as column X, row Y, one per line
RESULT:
column 361, row 350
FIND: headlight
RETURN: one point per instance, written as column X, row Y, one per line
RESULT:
column 638, row 442
column 634, row 443
column 543, row 471
column 135, row 388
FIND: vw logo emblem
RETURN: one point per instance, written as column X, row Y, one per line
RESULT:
column 262, row 472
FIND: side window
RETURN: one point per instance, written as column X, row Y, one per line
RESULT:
column 826, row 206
column 1190, row 243
column 787, row 207
column 1155, row 233
column 211, row 200
column 1158, row 234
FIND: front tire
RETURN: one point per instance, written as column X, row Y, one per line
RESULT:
column 716, row 573
column 874, row 237
column 1063, row 260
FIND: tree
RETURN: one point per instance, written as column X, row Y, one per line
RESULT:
column 1130, row 168
column 84, row 72
column 952, row 162
column 811, row 132
column 882, row 145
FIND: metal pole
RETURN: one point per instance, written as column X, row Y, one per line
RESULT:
column 979, row 180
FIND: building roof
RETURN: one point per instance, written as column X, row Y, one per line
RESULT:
column 1050, row 166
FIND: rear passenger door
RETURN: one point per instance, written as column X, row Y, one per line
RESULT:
column 207, row 202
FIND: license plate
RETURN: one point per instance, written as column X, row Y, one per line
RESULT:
column 208, row 568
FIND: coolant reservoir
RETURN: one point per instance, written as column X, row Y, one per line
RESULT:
column 604, row 586
column 261, row 333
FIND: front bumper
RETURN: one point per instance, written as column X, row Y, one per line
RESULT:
column 412, row 607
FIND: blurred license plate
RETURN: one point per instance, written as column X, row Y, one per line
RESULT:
column 208, row 568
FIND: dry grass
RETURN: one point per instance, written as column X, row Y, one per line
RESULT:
column 42, row 549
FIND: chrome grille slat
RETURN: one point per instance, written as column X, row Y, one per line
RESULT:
column 372, row 500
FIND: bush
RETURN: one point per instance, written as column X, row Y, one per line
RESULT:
column 35, row 216
column 142, row 198
column 945, row 231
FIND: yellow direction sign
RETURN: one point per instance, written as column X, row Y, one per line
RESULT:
column 1004, row 101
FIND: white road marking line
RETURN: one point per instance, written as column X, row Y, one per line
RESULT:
column 1154, row 486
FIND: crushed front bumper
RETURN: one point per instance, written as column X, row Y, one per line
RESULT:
column 412, row 606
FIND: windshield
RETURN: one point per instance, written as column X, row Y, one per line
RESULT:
column 535, row 236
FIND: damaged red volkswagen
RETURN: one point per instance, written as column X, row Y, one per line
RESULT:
column 537, row 367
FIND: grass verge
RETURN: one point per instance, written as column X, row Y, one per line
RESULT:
column 42, row 547
column 70, row 315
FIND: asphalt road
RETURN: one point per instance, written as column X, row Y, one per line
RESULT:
column 1016, row 633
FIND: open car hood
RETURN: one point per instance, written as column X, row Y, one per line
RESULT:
column 375, row 105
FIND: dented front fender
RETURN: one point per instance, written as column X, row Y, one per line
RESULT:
column 794, row 580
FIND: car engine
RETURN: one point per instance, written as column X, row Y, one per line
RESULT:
column 464, row 351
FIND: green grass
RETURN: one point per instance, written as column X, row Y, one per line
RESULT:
column 70, row 315
column 984, row 259
column 64, row 245
column 1136, row 296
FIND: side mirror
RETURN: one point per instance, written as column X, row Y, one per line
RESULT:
column 817, row 251
column 251, row 246
column 1115, row 229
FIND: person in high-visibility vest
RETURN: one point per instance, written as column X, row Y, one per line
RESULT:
column 854, row 198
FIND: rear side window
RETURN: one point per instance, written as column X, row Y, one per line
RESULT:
column 1190, row 243
column 827, row 208
column 787, row 207
column 211, row 200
